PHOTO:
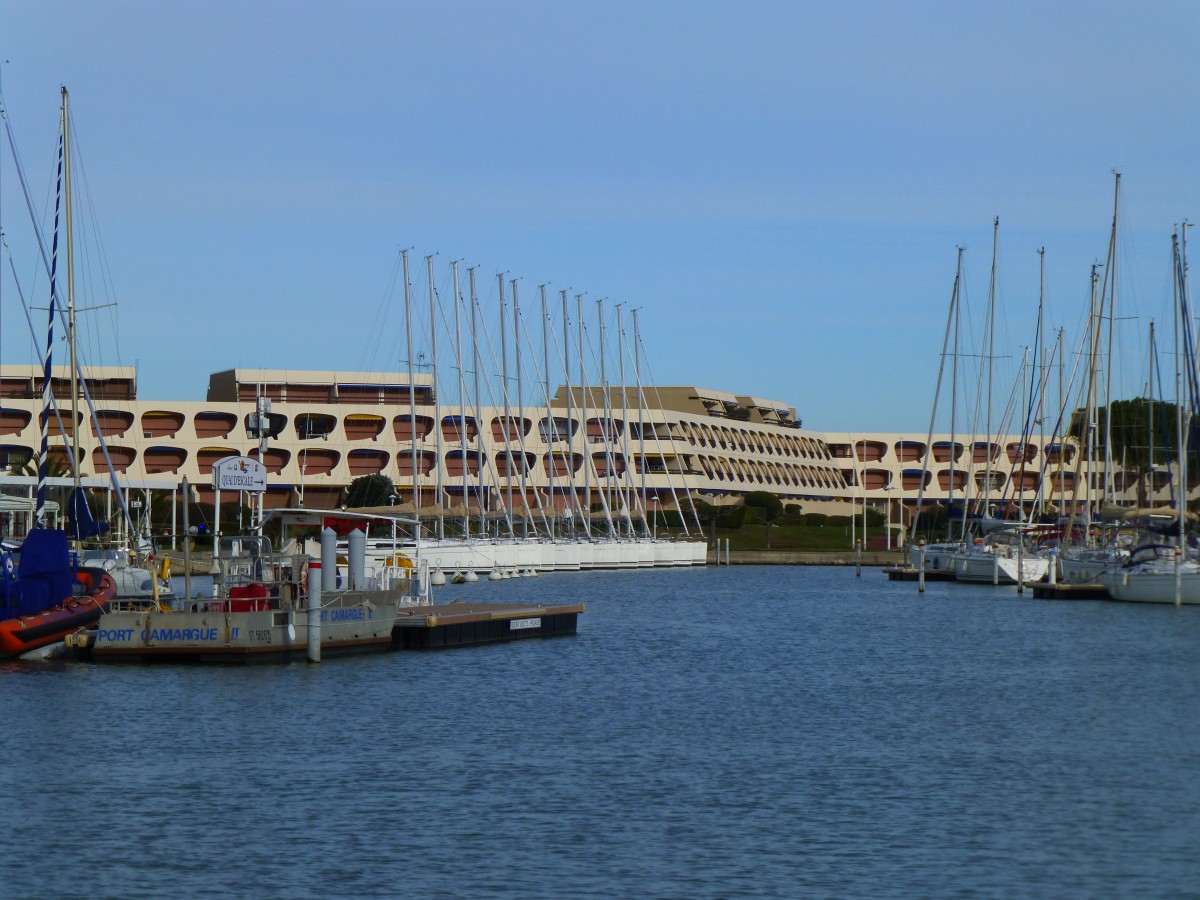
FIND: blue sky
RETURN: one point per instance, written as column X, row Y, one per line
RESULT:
column 778, row 187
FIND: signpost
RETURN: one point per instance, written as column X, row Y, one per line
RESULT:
column 233, row 473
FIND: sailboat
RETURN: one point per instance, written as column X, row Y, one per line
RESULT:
column 43, row 597
column 1165, row 571
column 939, row 557
column 509, row 525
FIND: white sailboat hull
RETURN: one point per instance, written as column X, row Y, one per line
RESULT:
column 988, row 568
column 1152, row 587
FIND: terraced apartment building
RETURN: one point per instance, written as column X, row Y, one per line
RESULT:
column 654, row 446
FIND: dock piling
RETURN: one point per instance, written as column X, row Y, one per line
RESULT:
column 314, row 612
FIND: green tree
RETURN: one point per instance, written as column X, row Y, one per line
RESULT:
column 1143, row 435
column 770, row 509
column 370, row 490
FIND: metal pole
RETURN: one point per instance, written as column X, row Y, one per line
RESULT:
column 314, row 611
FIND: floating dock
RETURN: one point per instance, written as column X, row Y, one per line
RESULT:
column 1069, row 591
column 460, row 624
column 903, row 573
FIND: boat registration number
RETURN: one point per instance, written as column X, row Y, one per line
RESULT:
column 518, row 624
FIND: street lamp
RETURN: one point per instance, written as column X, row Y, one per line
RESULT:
column 136, row 505
column 888, row 488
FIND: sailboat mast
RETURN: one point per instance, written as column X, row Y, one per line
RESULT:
column 1039, row 353
column 1181, row 440
column 437, row 408
column 71, row 340
column 569, row 458
column 1150, row 406
column 526, row 514
column 508, row 453
column 548, row 432
column 624, row 474
column 956, row 305
column 1111, row 276
column 462, row 402
column 990, row 361
column 950, row 318
column 478, row 402
column 412, row 384
column 48, row 364
column 583, row 418
column 637, row 377
column 605, row 485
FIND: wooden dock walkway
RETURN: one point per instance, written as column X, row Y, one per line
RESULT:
column 459, row 624
column 903, row 573
column 1045, row 591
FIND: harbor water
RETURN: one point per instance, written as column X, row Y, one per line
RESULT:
column 743, row 731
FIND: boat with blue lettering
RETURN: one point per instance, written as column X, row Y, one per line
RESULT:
column 268, row 606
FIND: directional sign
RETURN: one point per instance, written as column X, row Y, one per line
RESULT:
column 239, row 473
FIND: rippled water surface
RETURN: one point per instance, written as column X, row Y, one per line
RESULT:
column 721, row 732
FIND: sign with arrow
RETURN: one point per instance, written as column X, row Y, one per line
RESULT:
column 239, row 473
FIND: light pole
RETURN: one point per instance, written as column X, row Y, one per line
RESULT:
column 889, row 488
column 136, row 505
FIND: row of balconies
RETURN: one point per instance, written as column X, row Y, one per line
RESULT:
column 910, row 481
column 325, row 461
column 325, row 426
column 946, row 451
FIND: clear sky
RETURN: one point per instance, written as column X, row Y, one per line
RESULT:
column 778, row 187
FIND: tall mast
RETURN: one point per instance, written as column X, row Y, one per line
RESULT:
column 462, row 402
column 1039, row 377
column 583, row 417
column 990, row 361
column 624, row 474
column 548, row 432
column 526, row 515
column 1111, row 276
column 508, row 454
column 569, row 458
column 637, row 377
column 950, row 321
column 437, row 408
column 48, row 364
column 412, row 385
column 955, row 314
column 1181, row 440
column 478, row 407
column 71, row 340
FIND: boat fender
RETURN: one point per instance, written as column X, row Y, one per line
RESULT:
column 303, row 581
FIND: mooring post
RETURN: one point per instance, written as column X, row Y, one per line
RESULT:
column 921, row 567
column 314, row 612
column 858, row 559
column 1020, row 562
